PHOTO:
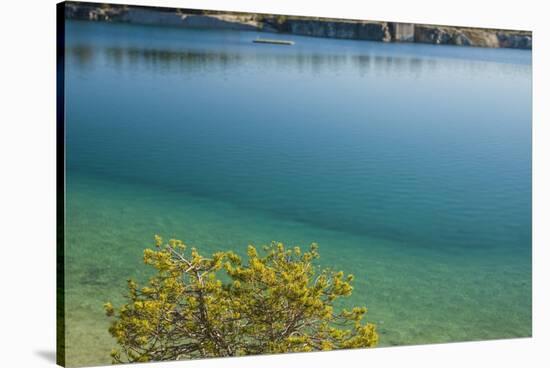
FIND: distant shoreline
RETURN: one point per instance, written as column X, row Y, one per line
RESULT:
column 305, row 26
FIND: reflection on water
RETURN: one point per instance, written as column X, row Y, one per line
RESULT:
column 185, row 61
column 191, row 60
column 82, row 54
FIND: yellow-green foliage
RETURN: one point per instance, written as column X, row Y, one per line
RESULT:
column 273, row 302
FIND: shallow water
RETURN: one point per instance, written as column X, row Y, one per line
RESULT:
column 410, row 165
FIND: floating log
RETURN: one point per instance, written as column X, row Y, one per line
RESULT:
column 276, row 42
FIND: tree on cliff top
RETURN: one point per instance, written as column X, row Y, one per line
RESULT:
column 196, row 307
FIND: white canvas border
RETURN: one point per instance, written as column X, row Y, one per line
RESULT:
column 27, row 195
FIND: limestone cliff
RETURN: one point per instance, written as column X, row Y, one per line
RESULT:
column 306, row 26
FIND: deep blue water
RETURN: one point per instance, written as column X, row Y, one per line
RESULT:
column 409, row 162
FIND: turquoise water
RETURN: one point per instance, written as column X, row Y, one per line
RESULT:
column 410, row 165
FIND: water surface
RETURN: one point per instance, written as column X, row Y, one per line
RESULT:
column 410, row 165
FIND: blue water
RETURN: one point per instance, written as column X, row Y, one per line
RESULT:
column 409, row 164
